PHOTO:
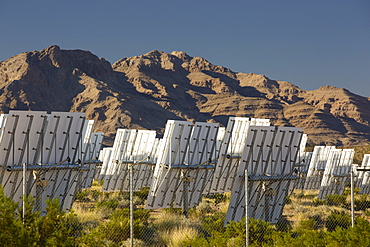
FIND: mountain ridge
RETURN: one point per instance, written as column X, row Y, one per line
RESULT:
column 144, row 91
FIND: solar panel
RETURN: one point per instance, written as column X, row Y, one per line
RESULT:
column 230, row 152
column 182, row 167
column 3, row 118
column 144, row 144
column 117, row 168
column 95, row 145
column 104, row 156
column 364, row 176
column 302, row 167
column 336, row 172
column 85, row 140
column 317, row 167
column 19, row 144
column 42, row 143
column 62, row 137
column 90, row 160
column 269, row 155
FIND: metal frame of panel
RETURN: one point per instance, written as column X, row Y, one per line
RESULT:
column 117, row 168
column 336, row 172
column 91, row 161
column 20, row 144
column 142, row 151
column 230, row 152
column 94, row 146
column 364, row 176
column 317, row 167
column 302, row 167
column 3, row 118
column 104, row 156
column 270, row 155
column 62, row 137
column 63, row 145
column 32, row 141
column 86, row 140
column 183, row 165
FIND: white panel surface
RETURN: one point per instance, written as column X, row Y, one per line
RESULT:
column 117, row 168
column 317, row 167
column 183, row 163
column 269, row 155
column 144, row 143
column 62, row 137
column 230, row 152
column 336, row 172
column 363, row 178
column 105, row 157
column 19, row 143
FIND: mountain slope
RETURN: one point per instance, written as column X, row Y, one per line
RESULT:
column 144, row 91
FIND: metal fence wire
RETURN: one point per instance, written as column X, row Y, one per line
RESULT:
column 103, row 219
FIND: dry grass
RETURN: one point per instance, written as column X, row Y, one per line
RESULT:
column 174, row 237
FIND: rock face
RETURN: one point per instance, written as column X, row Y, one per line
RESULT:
column 144, row 91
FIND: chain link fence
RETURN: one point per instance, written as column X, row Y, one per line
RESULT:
column 103, row 219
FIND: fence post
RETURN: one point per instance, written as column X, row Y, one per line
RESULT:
column 131, row 205
column 352, row 199
column 246, row 208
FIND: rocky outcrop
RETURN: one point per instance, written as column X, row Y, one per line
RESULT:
column 144, row 91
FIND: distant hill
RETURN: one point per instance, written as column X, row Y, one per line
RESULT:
column 144, row 91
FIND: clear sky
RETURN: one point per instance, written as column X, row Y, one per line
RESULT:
column 308, row 43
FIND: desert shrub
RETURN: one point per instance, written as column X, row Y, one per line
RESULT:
column 95, row 194
column 288, row 200
column 310, row 238
column 213, row 223
column 82, row 196
column 356, row 236
column 362, row 202
column 317, row 202
column 260, row 232
column 283, row 225
column 338, row 219
column 142, row 194
column 110, row 203
column 308, row 224
column 336, row 200
column 204, row 208
column 117, row 228
column 220, row 197
column 11, row 228
column 173, row 210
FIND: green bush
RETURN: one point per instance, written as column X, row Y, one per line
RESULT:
column 111, row 203
column 317, row 202
column 336, row 200
column 338, row 219
column 362, row 202
column 55, row 228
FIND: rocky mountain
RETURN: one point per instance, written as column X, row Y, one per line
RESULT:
column 144, row 91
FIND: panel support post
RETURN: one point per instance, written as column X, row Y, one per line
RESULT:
column 352, row 199
column 246, row 208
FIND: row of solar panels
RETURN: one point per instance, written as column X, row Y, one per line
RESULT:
column 55, row 150
column 199, row 158
column 327, row 169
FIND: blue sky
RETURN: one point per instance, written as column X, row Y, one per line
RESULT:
column 308, row 43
